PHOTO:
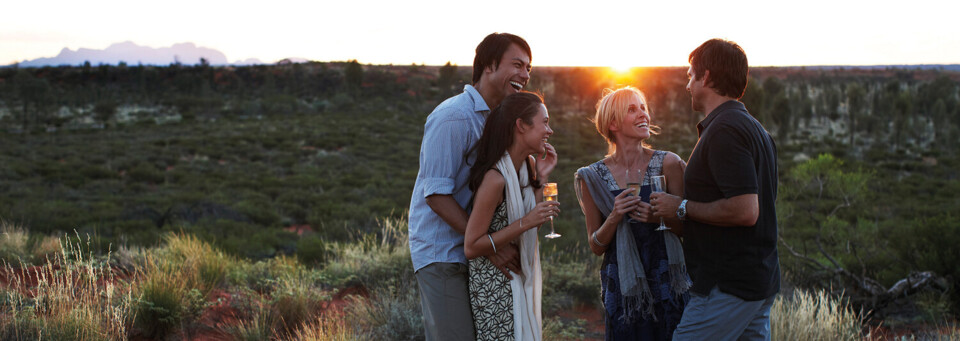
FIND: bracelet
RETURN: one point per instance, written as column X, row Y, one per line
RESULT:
column 597, row 241
column 494, row 244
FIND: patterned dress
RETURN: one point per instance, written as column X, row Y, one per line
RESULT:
column 653, row 255
column 491, row 297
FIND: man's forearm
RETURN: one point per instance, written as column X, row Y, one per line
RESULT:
column 449, row 211
column 741, row 210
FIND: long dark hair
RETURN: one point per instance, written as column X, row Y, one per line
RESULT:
column 498, row 135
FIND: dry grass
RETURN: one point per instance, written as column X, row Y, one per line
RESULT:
column 72, row 296
column 77, row 296
column 813, row 316
column 13, row 243
column 325, row 329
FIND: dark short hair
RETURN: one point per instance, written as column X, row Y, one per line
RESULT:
column 491, row 50
column 727, row 64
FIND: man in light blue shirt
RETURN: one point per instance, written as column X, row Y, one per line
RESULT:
column 438, row 214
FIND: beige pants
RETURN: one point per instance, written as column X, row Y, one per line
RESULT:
column 445, row 300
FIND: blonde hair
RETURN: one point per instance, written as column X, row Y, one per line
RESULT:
column 612, row 108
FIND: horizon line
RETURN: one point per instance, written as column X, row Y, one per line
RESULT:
column 306, row 60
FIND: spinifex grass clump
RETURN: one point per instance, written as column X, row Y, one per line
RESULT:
column 200, row 265
column 813, row 316
column 13, row 244
column 73, row 296
column 175, row 281
column 325, row 329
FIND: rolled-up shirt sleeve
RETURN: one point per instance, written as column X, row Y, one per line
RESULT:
column 441, row 153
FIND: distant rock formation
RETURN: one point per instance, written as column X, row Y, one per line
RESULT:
column 133, row 54
column 248, row 61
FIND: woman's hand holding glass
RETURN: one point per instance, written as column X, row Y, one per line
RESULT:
column 540, row 214
column 625, row 205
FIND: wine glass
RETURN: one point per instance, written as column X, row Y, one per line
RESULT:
column 658, row 184
column 633, row 182
column 550, row 194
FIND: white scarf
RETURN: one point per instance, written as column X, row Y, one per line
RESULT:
column 527, row 287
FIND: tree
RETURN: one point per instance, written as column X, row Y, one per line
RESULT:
column 823, row 227
column 353, row 75
column 104, row 111
column 855, row 105
column 448, row 78
column 36, row 97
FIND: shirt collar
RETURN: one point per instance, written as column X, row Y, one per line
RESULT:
column 728, row 105
column 479, row 104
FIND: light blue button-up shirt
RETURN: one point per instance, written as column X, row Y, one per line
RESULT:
column 451, row 129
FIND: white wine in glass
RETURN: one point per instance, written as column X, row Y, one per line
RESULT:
column 550, row 194
column 658, row 184
column 633, row 182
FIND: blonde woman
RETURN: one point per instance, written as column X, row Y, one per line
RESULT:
column 644, row 282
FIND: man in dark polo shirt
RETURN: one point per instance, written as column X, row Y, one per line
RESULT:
column 728, row 208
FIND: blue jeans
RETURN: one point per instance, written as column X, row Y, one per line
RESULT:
column 721, row 316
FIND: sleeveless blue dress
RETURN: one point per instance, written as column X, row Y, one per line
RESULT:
column 653, row 255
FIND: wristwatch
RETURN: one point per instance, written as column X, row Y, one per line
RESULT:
column 682, row 210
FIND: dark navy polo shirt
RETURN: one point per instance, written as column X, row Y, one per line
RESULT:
column 734, row 156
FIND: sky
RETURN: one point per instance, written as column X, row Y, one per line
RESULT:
column 561, row 33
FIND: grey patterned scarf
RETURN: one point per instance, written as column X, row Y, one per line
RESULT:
column 634, row 289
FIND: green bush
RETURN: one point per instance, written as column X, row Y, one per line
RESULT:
column 144, row 172
column 577, row 281
column 311, row 249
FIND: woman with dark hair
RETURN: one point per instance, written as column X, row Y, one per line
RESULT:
column 643, row 278
column 506, row 210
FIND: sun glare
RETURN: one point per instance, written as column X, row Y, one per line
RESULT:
column 621, row 69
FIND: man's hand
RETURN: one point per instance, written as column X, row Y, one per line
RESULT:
column 665, row 204
column 506, row 259
column 545, row 166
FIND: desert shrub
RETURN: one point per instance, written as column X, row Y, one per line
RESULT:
column 311, row 249
column 374, row 259
column 265, row 275
column 391, row 313
column 260, row 212
column 145, row 172
column 556, row 328
column 568, row 283
column 930, row 243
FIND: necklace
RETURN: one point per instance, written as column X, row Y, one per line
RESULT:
column 629, row 170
